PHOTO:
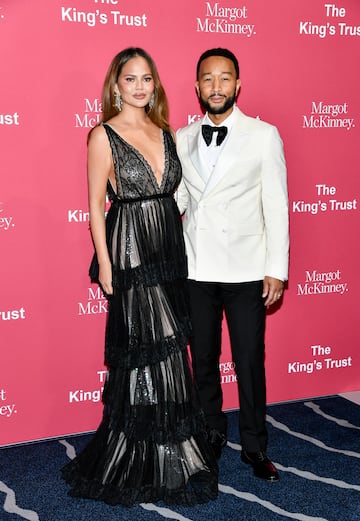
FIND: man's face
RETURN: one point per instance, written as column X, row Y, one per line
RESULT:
column 217, row 86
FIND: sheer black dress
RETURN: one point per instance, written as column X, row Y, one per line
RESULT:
column 151, row 444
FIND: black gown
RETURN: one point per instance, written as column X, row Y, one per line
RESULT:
column 151, row 444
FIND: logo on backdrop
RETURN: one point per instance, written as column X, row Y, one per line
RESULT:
column 323, row 358
column 322, row 282
column 92, row 395
column 192, row 118
column 225, row 20
column 227, row 372
column 10, row 119
column 6, row 221
column 12, row 314
column 104, row 12
column 91, row 114
column 323, row 115
column 6, row 409
column 78, row 216
column 95, row 304
column 334, row 24
column 326, row 199
column 2, row 14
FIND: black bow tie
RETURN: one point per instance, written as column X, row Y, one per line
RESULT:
column 208, row 130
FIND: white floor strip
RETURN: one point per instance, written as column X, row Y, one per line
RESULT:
column 165, row 512
column 306, row 474
column 314, row 477
column 70, row 449
column 352, row 396
column 310, row 439
column 343, row 423
column 266, row 504
column 11, row 506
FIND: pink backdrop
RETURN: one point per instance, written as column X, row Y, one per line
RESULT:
column 299, row 69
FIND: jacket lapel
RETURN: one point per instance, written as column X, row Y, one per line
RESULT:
column 193, row 151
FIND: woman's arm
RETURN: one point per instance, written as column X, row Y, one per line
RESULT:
column 100, row 166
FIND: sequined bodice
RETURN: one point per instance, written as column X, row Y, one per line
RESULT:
column 133, row 174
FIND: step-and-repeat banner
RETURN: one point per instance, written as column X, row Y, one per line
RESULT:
column 299, row 66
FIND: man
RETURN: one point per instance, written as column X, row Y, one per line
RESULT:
column 234, row 195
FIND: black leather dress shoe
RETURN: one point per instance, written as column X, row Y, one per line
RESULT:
column 263, row 467
column 217, row 441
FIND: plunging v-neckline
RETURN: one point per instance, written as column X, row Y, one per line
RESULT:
column 143, row 158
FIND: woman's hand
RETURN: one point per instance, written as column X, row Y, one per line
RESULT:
column 105, row 277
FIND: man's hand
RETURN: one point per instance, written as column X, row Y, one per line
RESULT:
column 272, row 290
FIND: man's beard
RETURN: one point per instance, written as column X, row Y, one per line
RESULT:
column 218, row 110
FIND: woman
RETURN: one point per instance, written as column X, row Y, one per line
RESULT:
column 151, row 444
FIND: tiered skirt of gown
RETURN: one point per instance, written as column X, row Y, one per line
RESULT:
column 151, row 444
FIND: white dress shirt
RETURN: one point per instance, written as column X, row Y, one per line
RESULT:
column 209, row 154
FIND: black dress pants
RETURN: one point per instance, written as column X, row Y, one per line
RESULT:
column 244, row 310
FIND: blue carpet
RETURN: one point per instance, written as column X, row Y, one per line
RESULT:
column 315, row 445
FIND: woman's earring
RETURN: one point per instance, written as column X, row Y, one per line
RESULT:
column 151, row 101
column 118, row 102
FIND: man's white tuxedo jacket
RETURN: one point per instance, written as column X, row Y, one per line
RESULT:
column 236, row 222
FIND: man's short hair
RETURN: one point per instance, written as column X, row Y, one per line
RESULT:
column 218, row 51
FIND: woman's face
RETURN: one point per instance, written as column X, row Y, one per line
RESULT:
column 135, row 83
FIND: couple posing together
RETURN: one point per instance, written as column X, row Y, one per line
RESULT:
column 168, row 282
